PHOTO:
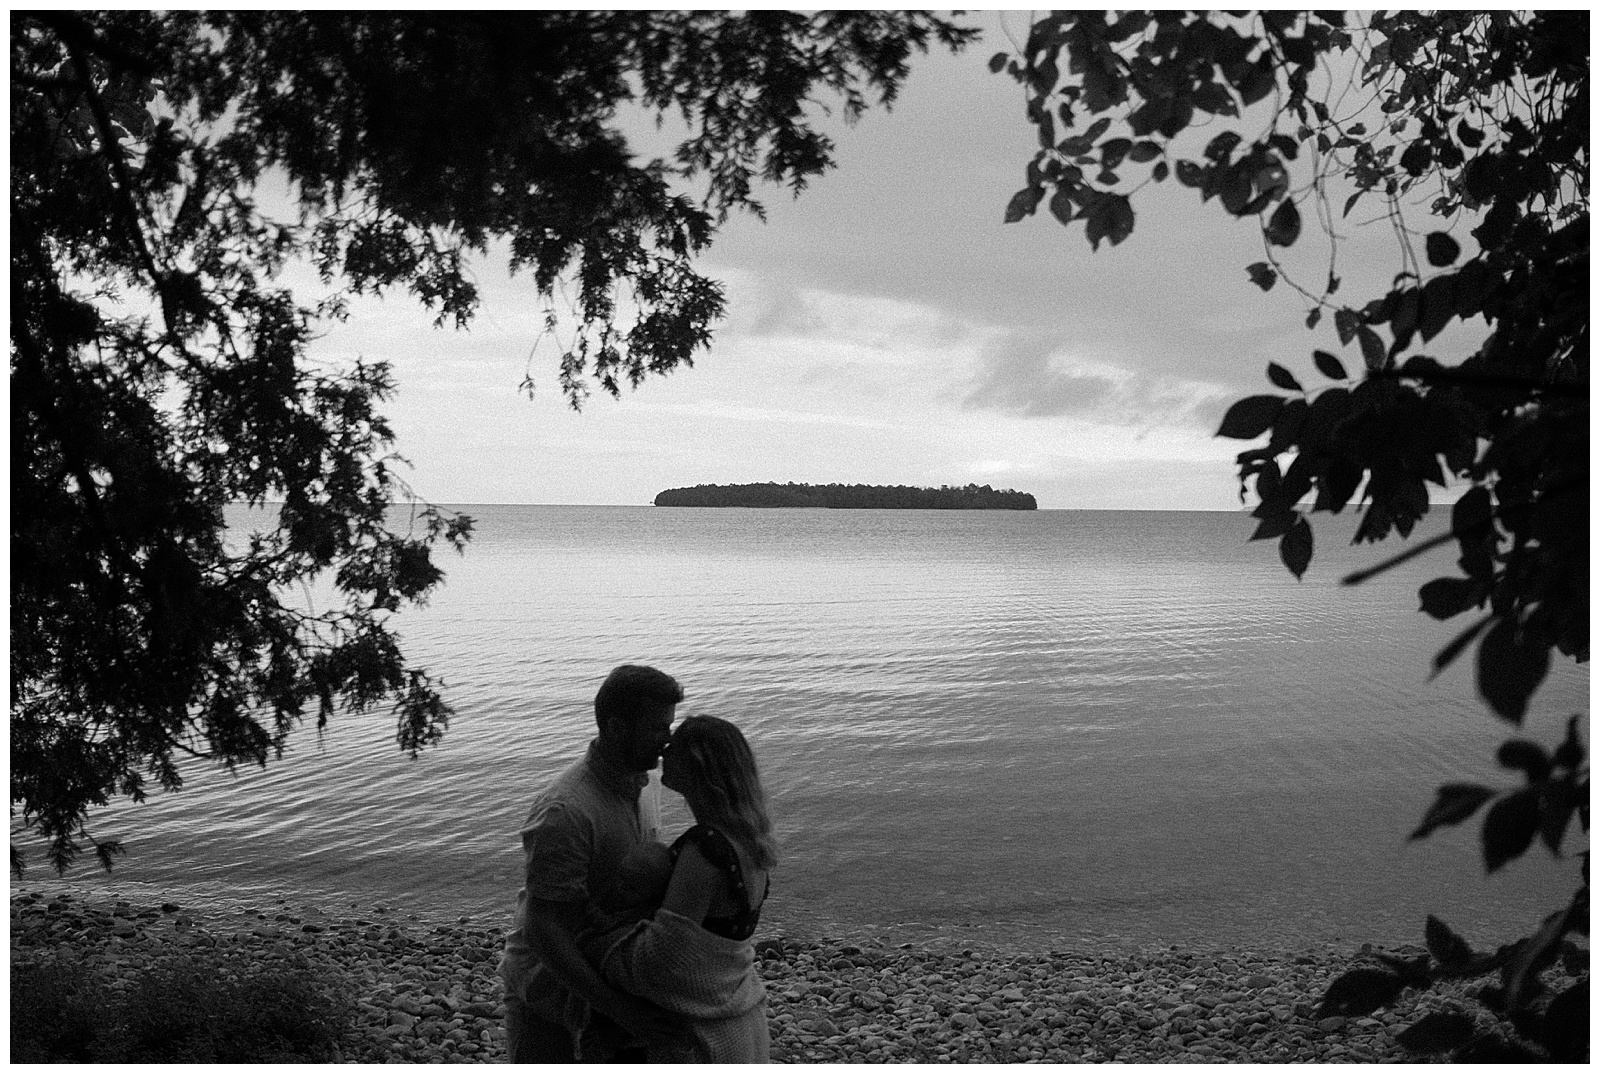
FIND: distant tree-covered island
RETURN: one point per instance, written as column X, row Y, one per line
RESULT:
column 898, row 497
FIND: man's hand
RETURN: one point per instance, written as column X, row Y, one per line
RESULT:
column 645, row 1021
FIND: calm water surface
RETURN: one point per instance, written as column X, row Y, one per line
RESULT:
column 1111, row 724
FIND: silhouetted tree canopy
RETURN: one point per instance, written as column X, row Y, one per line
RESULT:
column 1483, row 117
column 900, row 497
column 159, row 365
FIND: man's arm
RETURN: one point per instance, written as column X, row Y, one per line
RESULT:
column 551, row 930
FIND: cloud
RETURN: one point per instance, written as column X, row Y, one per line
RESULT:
column 1028, row 374
column 770, row 309
column 715, row 410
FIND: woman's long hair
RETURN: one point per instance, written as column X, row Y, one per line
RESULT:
column 726, row 785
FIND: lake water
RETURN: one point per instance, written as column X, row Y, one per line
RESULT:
column 1125, row 725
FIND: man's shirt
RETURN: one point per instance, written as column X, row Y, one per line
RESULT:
column 573, row 842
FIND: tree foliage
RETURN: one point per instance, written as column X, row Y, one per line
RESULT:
column 896, row 497
column 1481, row 120
column 159, row 360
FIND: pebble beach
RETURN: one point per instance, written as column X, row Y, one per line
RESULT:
column 427, row 990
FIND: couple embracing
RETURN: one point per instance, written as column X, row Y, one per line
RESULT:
column 625, row 950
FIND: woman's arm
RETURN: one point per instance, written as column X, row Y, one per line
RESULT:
column 695, row 883
column 551, row 929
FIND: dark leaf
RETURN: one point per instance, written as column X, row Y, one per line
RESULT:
column 1220, row 148
column 1102, row 88
column 1214, row 97
column 1259, row 82
column 1442, row 249
column 1283, row 228
column 1297, row 482
column 1511, row 665
column 1143, row 152
column 1282, row 378
column 1256, row 204
column 1455, row 802
column 1417, row 157
column 1190, row 173
column 1565, row 1033
column 1498, row 225
column 1262, row 275
column 1450, row 949
column 1472, row 514
column 1404, row 316
column 1287, row 425
column 1376, row 520
column 1097, row 128
column 1159, row 172
column 1443, row 598
column 1557, row 802
column 1338, row 484
column 1481, row 177
column 1509, row 828
column 1350, row 202
column 1348, row 322
column 1113, row 150
column 1268, row 480
column 1313, row 317
column 997, row 62
column 1250, row 417
column 1023, row 203
column 1413, row 971
column 1295, row 547
column 1524, row 756
column 1273, row 524
column 1437, row 1031
column 1061, row 204
column 1372, row 349
column 1360, row 991
column 1472, row 522
column 1327, row 416
column 1437, row 304
column 1329, row 366
column 1574, row 959
column 1470, row 136
column 1236, row 189
column 1110, row 218
column 1534, row 955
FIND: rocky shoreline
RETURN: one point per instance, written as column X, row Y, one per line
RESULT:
column 427, row 990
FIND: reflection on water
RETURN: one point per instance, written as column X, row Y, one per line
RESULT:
column 1119, row 722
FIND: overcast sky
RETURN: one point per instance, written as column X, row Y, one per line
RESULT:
column 887, row 328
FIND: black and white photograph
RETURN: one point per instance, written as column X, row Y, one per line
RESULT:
column 640, row 535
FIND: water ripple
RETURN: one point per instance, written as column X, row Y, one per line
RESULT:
column 1136, row 720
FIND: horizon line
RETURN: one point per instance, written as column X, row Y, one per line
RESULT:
column 525, row 503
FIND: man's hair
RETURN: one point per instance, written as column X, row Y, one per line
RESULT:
column 630, row 689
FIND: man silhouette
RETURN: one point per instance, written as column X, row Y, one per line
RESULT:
column 578, row 831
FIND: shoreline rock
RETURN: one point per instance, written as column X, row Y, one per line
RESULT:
column 427, row 990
